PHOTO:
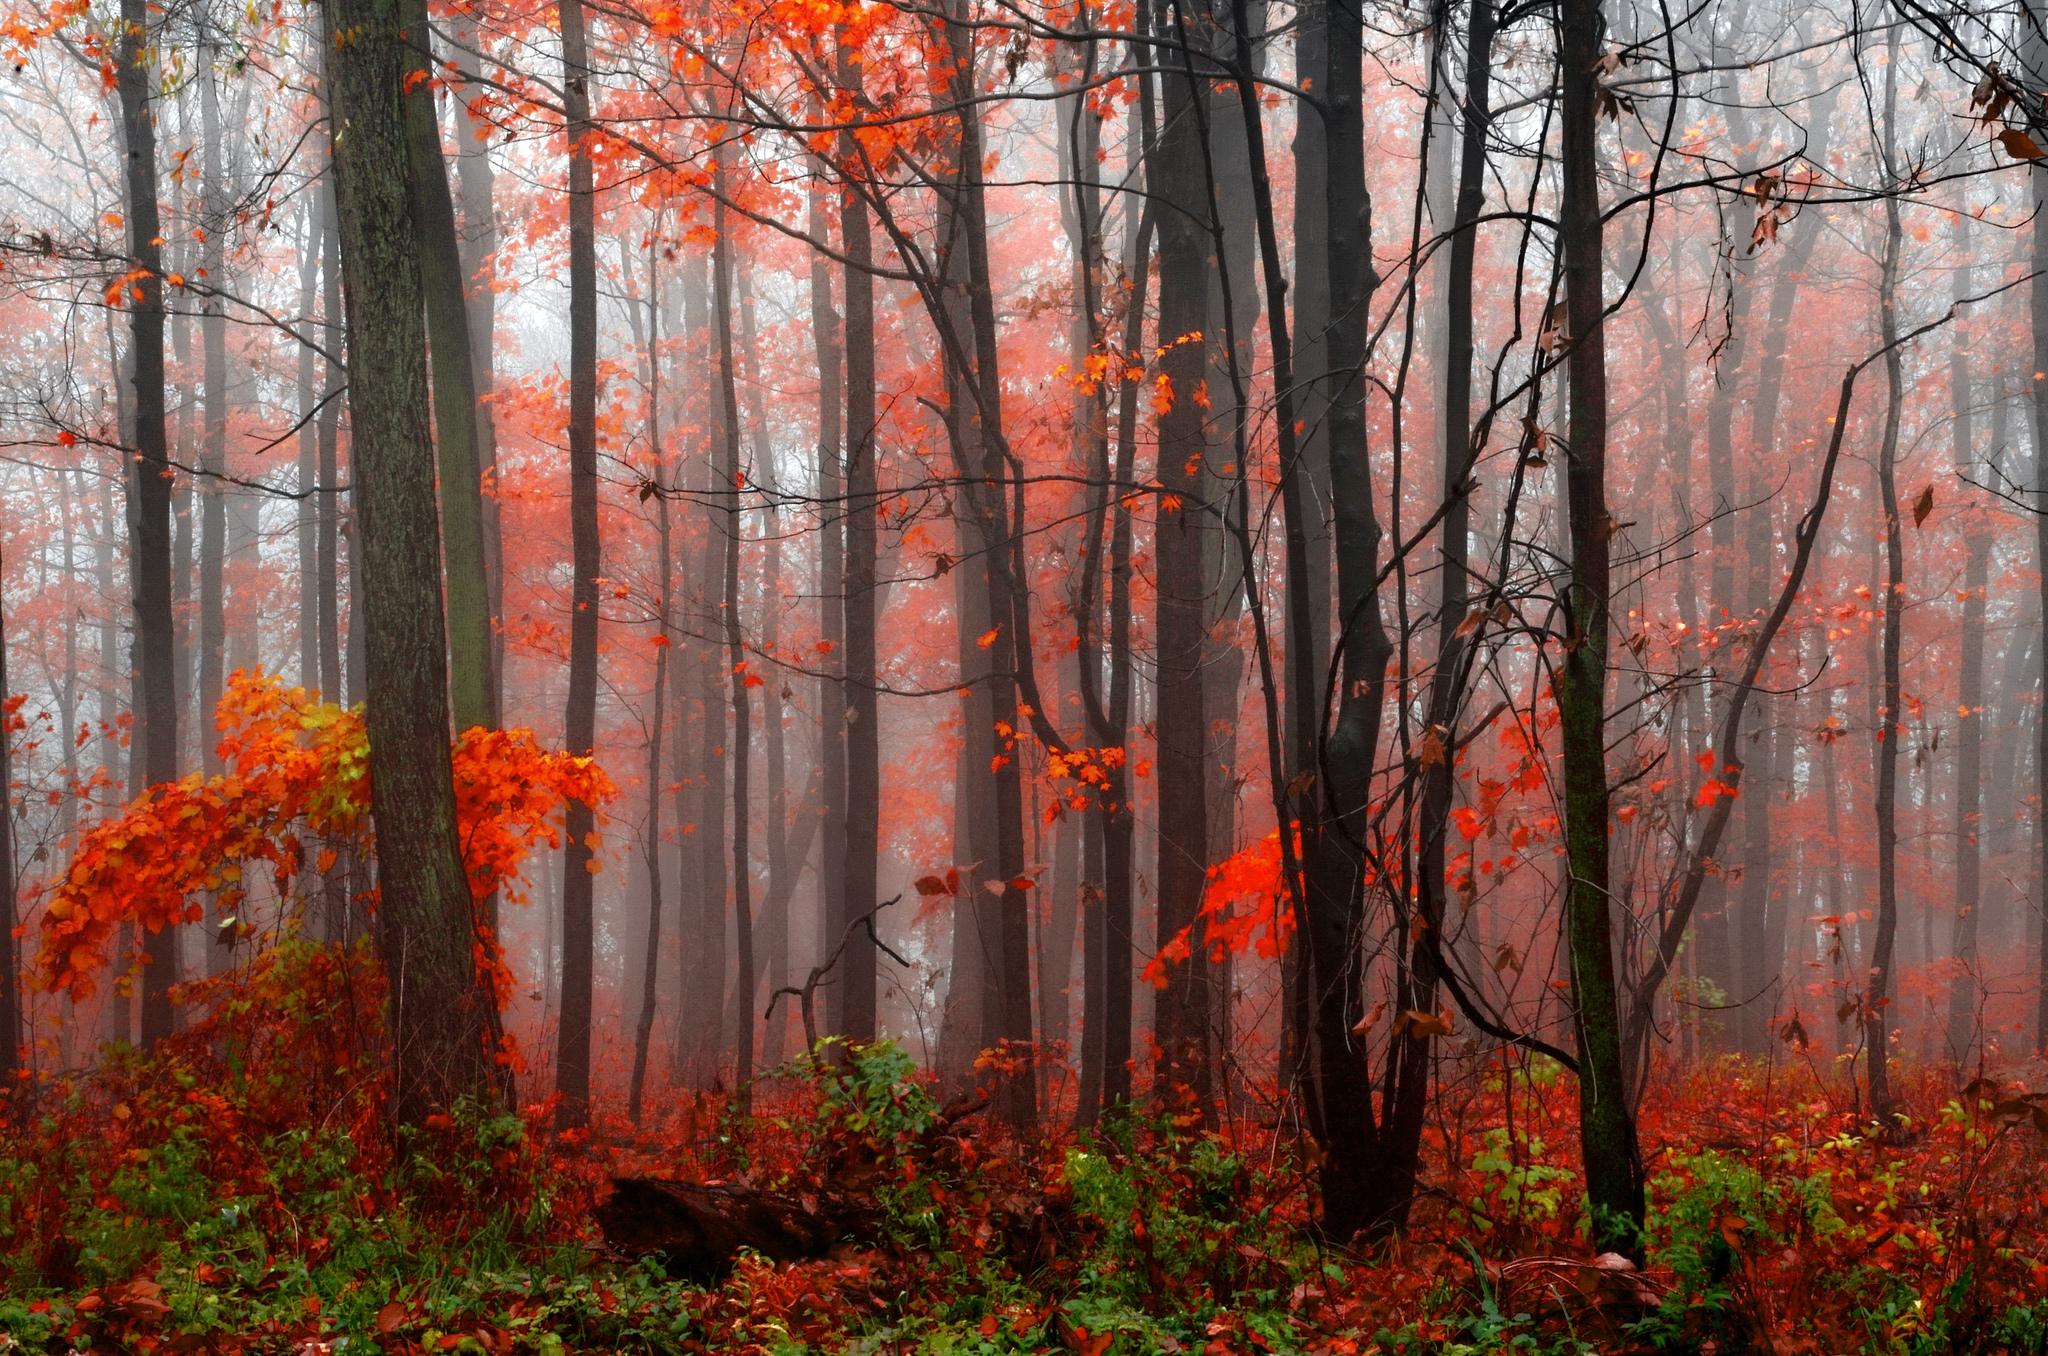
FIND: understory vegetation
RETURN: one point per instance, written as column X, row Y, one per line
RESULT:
column 240, row 1190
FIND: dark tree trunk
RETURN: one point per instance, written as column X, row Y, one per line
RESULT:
column 10, row 963
column 150, row 552
column 650, row 969
column 572, row 1061
column 479, row 244
column 1180, row 729
column 471, row 691
column 443, row 1020
column 1613, row 1164
column 1354, row 1192
column 831, row 919
column 854, row 1010
column 308, row 506
column 1877, row 1019
column 335, row 383
column 735, row 641
column 2037, row 49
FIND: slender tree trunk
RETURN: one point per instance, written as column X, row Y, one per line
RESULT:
column 772, row 953
column 1181, row 730
column 1614, row 1173
column 479, row 242
column 572, row 1060
column 831, row 590
column 150, row 552
column 643, row 1028
column 2037, row 59
column 1447, row 685
column 1963, row 1026
column 472, row 693
column 1354, row 1195
column 334, row 340
column 735, row 642
column 854, row 1014
column 213, row 524
column 1877, row 1019
column 11, row 1025
column 308, row 507
column 1118, row 821
column 443, row 1019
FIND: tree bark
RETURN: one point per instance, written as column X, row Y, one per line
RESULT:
column 1613, row 1163
column 1180, row 729
column 735, row 641
column 831, row 920
column 150, row 551
column 443, row 1020
column 1964, row 1027
column 650, row 970
column 853, row 1012
column 11, row 1026
column 479, row 245
column 335, row 384
column 572, row 1060
column 472, row 693
column 1877, row 1016
column 1354, row 1193
column 213, row 523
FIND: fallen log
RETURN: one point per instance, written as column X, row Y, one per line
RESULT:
column 697, row 1229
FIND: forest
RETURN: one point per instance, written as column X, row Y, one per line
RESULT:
column 979, row 676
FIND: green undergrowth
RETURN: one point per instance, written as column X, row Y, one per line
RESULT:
column 147, row 1210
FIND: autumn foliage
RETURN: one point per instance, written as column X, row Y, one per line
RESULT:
column 296, row 794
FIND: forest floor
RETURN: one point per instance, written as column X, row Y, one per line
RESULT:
column 189, row 1202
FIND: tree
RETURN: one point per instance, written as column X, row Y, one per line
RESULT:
column 579, row 864
column 1614, row 1170
column 150, row 549
column 443, row 1018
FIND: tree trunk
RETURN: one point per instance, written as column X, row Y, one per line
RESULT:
column 150, row 551
column 308, row 506
column 1181, row 731
column 479, row 244
column 213, row 523
column 1354, row 1195
column 11, row 1025
column 650, row 970
column 472, row 693
column 854, row 1011
column 1963, row 1025
column 572, row 1060
column 1877, row 1018
column 2037, row 59
column 1614, row 1172
column 335, row 383
column 831, row 589
column 443, row 1020
column 731, row 491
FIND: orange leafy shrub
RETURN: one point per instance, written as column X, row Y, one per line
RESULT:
column 298, row 772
